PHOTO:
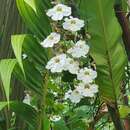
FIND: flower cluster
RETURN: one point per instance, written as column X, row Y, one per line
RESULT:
column 81, row 90
column 70, row 59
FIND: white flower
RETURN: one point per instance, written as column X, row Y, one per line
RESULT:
column 55, row 94
column 86, row 75
column 75, row 96
column 58, row 12
column 56, row 64
column 52, row 39
column 72, row 66
column 94, row 88
column 80, row 49
column 24, row 56
column 55, row 118
column 73, row 24
column 27, row 99
column 87, row 90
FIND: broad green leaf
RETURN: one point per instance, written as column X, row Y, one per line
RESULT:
column 44, row 4
column 24, row 111
column 38, row 23
column 60, row 125
column 46, row 124
column 118, row 2
column 17, row 43
column 6, row 68
column 76, row 118
column 31, row 3
column 106, row 45
column 31, row 47
column 33, row 79
column 3, row 105
column 35, row 51
column 124, row 111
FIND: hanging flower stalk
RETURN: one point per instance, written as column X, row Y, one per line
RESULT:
column 69, row 59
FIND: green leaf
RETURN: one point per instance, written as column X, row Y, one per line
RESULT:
column 37, row 22
column 3, row 105
column 46, row 124
column 33, row 79
column 24, row 111
column 31, row 3
column 17, row 43
column 35, row 51
column 123, row 4
column 59, row 125
column 6, row 68
column 106, row 45
column 118, row 2
column 29, row 45
column 44, row 5
column 124, row 111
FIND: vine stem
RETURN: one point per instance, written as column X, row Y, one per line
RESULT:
column 115, row 116
column 44, row 97
column 7, row 118
column 124, row 23
column 43, row 104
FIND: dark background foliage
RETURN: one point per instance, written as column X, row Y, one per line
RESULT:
column 10, row 23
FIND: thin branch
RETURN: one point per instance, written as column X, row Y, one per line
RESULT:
column 124, row 22
column 122, row 18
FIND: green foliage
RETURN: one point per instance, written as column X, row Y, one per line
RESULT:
column 3, row 105
column 46, row 124
column 60, row 125
column 47, row 90
column 38, row 25
column 124, row 111
column 17, row 47
column 106, row 45
column 6, row 68
column 46, row 4
column 36, row 61
column 31, row 3
column 30, row 46
column 32, row 79
column 24, row 111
